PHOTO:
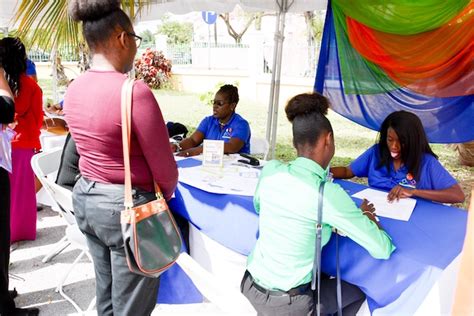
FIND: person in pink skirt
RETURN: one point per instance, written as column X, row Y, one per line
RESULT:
column 28, row 120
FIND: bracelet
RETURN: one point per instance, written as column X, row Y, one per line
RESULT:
column 373, row 214
column 178, row 147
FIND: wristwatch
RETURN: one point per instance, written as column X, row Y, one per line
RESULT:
column 178, row 147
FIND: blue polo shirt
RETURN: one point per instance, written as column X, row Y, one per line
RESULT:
column 237, row 127
column 433, row 176
column 30, row 67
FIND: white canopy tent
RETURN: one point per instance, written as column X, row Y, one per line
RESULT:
column 159, row 7
column 281, row 7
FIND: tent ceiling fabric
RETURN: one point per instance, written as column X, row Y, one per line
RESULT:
column 7, row 10
column 161, row 7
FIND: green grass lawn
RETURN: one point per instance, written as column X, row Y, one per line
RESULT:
column 351, row 138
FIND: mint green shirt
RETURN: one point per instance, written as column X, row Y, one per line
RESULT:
column 286, row 199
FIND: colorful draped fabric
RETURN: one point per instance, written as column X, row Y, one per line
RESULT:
column 446, row 119
column 402, row 17
column 368, row 73
column 437, row 62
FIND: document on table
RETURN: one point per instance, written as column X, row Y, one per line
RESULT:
column 400, row 210
column 228, row 180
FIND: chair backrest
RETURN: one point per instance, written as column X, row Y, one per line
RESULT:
column 259, row 146
column 45, row 166
column 46, row 163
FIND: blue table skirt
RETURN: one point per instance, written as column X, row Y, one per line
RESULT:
column 425, row 245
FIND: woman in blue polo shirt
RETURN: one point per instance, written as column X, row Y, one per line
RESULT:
column 403, row 163
column 224, row 125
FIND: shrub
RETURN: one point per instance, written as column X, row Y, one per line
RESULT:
column 153, row 68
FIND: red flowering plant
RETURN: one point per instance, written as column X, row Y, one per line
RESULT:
column 153, row 68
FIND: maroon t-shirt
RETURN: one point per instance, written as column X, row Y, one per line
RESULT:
column 92, row 111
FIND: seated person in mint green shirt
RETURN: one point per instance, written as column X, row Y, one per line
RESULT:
column 286, row 199
column 403, row 163
column 224, row 125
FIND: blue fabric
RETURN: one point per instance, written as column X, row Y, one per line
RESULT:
column 177, row 288
column 425, row 245
column 446, row 120
column 433, row 176
column 237, row 127
column 30, row 68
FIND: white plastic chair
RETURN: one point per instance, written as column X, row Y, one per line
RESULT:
column 229, row 300
column 259, row 146
column 45, row 166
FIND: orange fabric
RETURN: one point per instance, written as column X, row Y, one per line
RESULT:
column 464, row 299
column 437, row 63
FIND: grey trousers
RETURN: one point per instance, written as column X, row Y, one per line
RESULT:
column 97, row 209
column 303, row 304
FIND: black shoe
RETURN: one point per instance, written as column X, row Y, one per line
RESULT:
column 23, row 312
column 39, row 208
column 13, row 293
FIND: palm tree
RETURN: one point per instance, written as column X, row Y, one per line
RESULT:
column 46, row 23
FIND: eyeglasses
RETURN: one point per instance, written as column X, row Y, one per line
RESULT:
column 219, row 103
column 138, row 39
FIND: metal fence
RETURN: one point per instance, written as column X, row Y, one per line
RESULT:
column 299, row 60
column 67, row 54
column 179, row 54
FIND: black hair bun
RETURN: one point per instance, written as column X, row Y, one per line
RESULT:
column 306, row 104
column 90, row 10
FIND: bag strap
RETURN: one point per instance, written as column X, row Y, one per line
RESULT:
column 126, row 118
column 338, row 278
column 317, row 252
column 126, row 112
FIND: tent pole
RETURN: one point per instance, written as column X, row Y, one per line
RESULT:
column 276, row 97
column 272, row 82
column 279, row 38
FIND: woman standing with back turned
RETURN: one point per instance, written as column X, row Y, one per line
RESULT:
column 28, row 120
column 92, row 110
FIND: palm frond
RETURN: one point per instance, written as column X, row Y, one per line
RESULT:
column 46, row 23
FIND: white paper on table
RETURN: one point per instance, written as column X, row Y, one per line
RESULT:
column 229, row 180
column 213, row 153
column 400, row 210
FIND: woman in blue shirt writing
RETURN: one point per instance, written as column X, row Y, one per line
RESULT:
column 224, row 125
column 403, row 163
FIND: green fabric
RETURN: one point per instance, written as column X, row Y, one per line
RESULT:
column 402, row 16
column 286, row 199
column 359, row 75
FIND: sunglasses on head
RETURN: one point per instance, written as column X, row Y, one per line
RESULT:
column 219, row 102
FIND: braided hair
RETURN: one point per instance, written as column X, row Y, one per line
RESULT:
column 13, row 61
column 231, row 92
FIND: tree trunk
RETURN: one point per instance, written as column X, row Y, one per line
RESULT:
column 466, row 153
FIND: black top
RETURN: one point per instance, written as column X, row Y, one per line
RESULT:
column 68, row 172
column 7, row 110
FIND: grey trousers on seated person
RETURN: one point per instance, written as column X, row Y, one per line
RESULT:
column 303, row 304
column 97, row 209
